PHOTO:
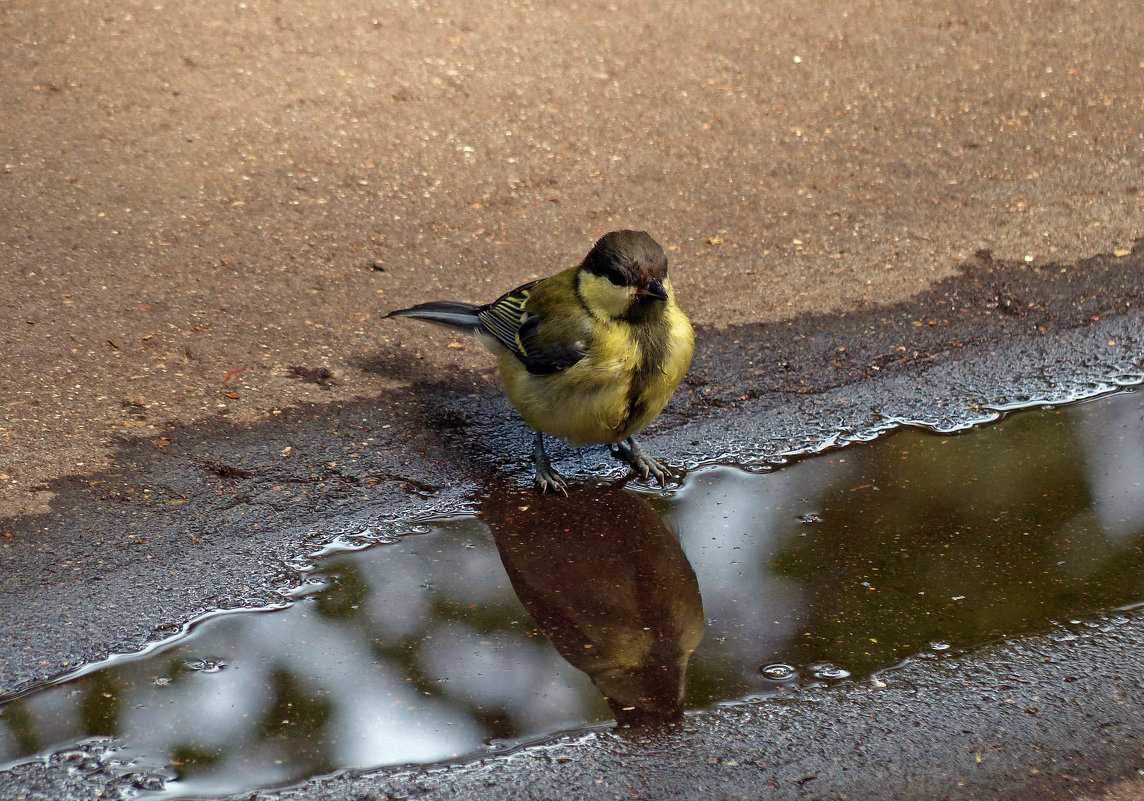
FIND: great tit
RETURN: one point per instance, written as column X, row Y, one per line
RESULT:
column 591, row 354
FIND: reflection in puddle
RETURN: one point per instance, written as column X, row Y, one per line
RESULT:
column 916, row 543
column 831, row 568
column 611, row 590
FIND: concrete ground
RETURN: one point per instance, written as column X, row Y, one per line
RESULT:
column 205, row 210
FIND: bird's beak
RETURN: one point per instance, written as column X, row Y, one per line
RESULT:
column 653, row 289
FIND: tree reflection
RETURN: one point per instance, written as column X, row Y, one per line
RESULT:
column 958, row 539
column 298, row 720
column 99, row 705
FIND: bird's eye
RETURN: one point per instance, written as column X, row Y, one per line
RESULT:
column 615, row 276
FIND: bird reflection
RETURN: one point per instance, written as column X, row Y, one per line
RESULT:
column 606, row 581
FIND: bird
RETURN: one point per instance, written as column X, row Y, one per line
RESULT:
column 590, row 355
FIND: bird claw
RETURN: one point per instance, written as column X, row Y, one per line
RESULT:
column 649, row 467
column 643, row 465
column 547, row 478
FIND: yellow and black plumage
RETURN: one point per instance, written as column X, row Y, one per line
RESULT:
column 591, row 354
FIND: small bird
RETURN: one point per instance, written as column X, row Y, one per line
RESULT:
column 591, row 354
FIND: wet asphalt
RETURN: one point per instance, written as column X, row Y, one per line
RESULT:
column 212, row 515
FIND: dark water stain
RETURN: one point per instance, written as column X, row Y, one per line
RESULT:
column 537, row 614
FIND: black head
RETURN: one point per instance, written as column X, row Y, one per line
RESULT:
column 629, row 259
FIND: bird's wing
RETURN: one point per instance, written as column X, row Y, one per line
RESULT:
column 517, row 328
column 504, row 317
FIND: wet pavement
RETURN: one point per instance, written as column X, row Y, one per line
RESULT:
column 834, row 626
column 762, row 584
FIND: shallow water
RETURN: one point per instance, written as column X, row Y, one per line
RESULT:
column 514, row 622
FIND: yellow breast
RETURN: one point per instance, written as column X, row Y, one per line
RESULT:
column 614, row 392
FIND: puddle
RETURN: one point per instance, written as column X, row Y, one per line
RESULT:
column 833, row 568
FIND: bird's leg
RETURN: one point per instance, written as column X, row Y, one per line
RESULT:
column 545, row 476
column 630, row 451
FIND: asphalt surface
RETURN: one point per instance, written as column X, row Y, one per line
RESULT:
column 873, row 212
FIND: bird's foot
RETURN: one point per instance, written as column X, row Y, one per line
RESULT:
column 546, row 475
column 547, row 478
column 644, row 466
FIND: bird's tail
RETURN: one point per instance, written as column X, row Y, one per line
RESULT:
column 449, row 313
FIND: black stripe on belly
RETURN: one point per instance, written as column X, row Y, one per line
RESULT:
column 654, row 336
